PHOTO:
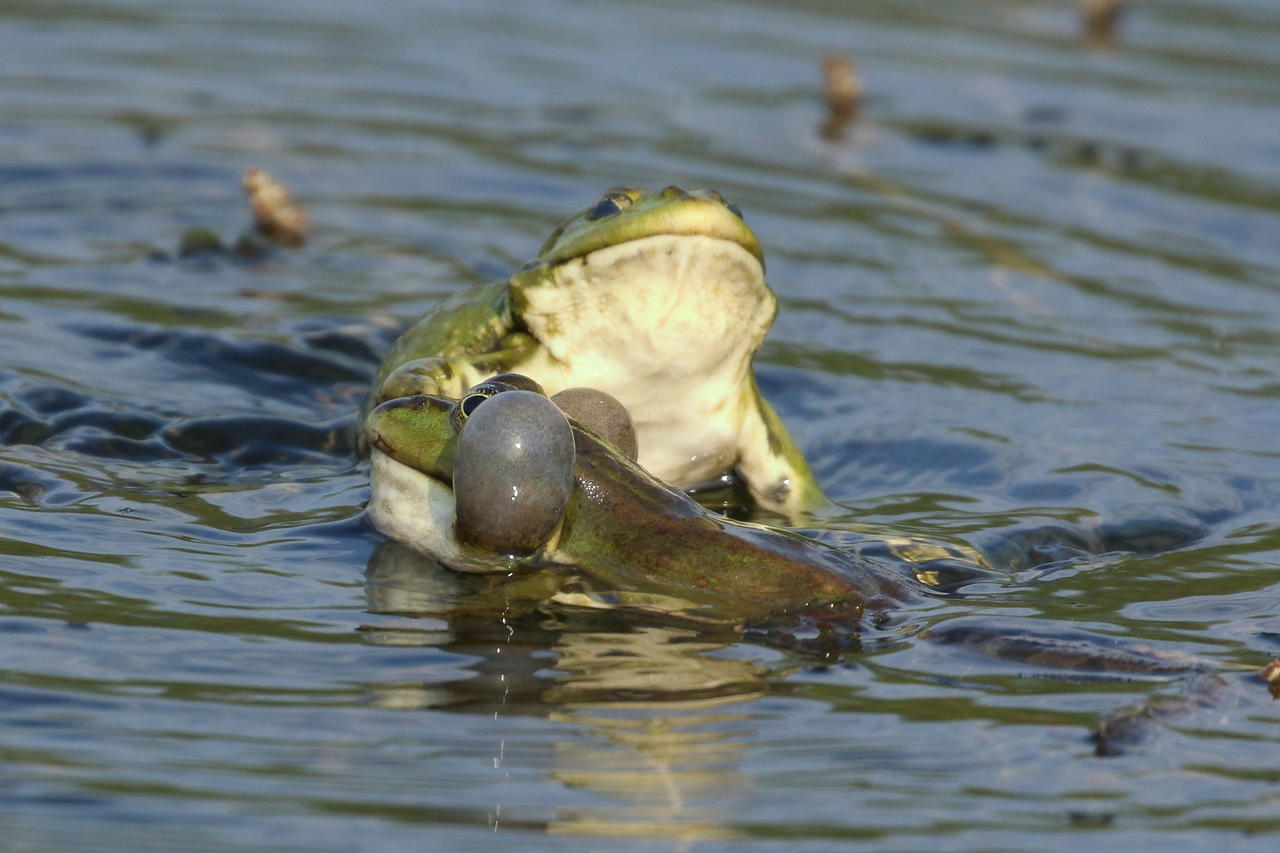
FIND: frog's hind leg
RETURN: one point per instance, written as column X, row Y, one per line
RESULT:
column 1121, row 731
column 1200, row 682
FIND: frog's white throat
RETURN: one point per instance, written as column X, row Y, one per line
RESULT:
column 669, row 305
column 667, row 325
column 417, row 510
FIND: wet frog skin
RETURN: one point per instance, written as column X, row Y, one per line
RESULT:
column 655, row 549
column 656, row 298
column 617, row 524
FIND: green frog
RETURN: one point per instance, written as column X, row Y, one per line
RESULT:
column 506, row 479
column 503, row 478
column 656, row 298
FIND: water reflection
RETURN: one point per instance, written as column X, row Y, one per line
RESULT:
column 1028, row 305
column 656, row 716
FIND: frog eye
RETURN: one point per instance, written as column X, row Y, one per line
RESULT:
column 512, row 473
column 715, row 195
column 477, row 394
column 469, row 403
column 613, row 201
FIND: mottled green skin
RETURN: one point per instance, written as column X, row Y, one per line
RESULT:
column 627, row 531
column 623, row 523
column 475, row 325
column 483, row 331
column 630, row 531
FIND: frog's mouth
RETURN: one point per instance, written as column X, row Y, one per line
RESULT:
column 418, row 510
column 383, row 447
column 411, row 481
column 414, row 431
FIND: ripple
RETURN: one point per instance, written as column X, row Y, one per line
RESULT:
column 1028, row 304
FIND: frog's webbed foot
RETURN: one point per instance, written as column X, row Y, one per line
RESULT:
column 1200, row 682
column 1203, row 690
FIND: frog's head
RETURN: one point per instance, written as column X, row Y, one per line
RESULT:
column 668, row 282
column 486, row 478
column 623, row 214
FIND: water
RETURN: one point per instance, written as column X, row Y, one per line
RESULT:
column 993, row 331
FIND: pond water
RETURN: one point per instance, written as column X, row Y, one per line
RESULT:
column 1030, row 303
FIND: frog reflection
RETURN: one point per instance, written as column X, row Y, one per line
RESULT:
column 659, row 722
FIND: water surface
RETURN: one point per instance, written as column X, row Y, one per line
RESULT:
column 1029, row 303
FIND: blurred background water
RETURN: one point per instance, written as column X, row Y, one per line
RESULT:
column 1029, row 302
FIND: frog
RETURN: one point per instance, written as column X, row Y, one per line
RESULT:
column 657, row 298
column 507, row 480
column 503, row 479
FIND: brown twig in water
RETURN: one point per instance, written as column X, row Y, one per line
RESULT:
column 1099, row 18
column 1271, row 674
column 842, row 90
column 276, row 216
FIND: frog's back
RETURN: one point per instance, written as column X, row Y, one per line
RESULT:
column 629, row 523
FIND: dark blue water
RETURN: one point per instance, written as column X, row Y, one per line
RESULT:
column 1030, row 302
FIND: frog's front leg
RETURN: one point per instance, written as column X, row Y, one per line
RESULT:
column 435, row 376
column 771, row 463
